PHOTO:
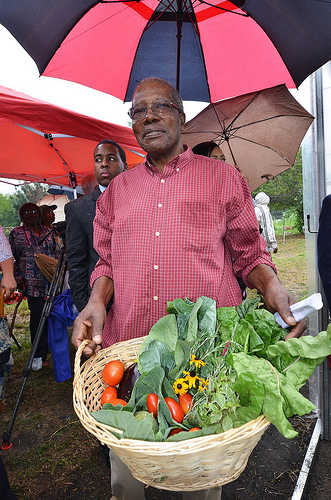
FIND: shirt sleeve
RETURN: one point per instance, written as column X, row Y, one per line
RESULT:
column 5, row 250
column 102, row 238
column 246, row 245
column 14, row 243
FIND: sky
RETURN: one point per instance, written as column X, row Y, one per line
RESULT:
column 18, row 71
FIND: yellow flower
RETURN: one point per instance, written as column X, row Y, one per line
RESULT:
column 198, row 362
column 180, row 386
column 191, row 378
column 203, row 384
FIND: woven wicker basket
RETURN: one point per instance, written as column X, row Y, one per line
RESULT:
column 193, row 464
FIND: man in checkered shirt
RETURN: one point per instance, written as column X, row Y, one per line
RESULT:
column 177, row 225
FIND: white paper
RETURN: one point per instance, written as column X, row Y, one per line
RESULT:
column 302, row 309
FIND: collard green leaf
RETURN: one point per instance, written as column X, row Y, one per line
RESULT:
column 155, row 354
column 165, row 331
column 133, row 428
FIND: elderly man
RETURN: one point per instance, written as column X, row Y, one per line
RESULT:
column 178, row 225
column 109, row 161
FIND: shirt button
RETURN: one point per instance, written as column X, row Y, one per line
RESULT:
column 157, row 233
column 163, row 181
column 156, row 297
column 156, row 266
column 159, row 205
column 177, row 169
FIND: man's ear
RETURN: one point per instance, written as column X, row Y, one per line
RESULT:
column 125, row 165
column 182, row 120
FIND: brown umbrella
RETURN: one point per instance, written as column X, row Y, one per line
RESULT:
column 260, row 132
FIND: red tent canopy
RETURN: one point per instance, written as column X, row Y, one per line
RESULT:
column 41, row 142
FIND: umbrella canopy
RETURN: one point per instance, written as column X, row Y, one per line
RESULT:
column 208, row 50
column 41, row 142
column 259, row 132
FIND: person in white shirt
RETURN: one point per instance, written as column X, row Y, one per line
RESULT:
column 264, row 218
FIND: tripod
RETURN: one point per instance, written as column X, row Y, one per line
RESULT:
column 55, row 288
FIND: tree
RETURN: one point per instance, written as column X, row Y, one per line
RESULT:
column 28, row 193
column 8, row 215
column 286, row 191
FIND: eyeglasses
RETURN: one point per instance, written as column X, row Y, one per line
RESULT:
column 158, row 108
column 28, row 212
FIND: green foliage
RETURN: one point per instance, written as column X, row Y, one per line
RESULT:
column 10, row 203
column 286, row 192
column 245, row 369
column 8, row 215
column 28, row 193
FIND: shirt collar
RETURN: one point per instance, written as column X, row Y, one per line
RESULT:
column 102, row 188
column 176, row 163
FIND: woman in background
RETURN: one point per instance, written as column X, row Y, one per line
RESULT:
column 27, row 240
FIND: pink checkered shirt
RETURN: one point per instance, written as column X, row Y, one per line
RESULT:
column 184, row 233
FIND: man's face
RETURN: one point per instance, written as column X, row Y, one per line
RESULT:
column 158, row 135
column 48, row 216
column 107, row 163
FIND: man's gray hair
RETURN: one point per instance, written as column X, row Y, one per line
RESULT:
column 175, row 95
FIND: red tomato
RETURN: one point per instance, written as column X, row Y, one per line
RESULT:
column 119, row 402
column 175, row 431
column 195, row 429
column 113, row 372
column 152, row 403
column 108, row 395
column 185, row 401
column 176, row 410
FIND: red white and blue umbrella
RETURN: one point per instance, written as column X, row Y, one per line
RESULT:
column 208, row 49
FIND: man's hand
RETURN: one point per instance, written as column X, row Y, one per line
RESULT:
column 89, row 323
column 8, row 282
column 276, row 297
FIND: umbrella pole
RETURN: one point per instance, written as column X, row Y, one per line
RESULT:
column 56, row 284
column 231, row 152
column 179, row 40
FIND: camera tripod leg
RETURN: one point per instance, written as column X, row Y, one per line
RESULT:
column 55, row 286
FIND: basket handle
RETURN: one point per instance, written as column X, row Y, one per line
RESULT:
column 78, row 356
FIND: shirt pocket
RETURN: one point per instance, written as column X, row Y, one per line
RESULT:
column 200, row 229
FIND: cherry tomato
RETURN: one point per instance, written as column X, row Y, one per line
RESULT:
column 176, row 410
column 185, row 401
column 152, row 403
column 113, row 372
column 119, row 402
column 175, row 431
column 108, row 395
column 195, row 429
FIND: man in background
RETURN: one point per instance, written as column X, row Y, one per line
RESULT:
column 264, row 218
column 109, row 161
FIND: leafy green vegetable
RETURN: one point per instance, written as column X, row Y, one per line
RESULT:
column 236, row 361
column 142, row 427
column 277, row 390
